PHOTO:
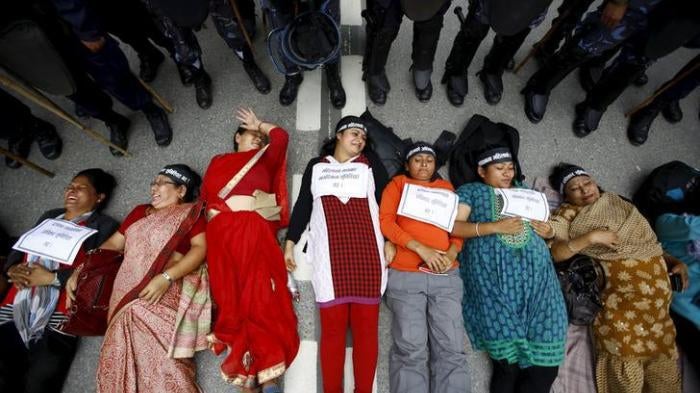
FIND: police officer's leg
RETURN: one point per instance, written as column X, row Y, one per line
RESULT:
column 387, row 22
column 625, row 68
column 230, row 29
column 96, row 103
column 569, row 14
column 188, row 57
column 279, row 13
column 130, row 21
column 640, row 122
column 21, row 128
column 467, row 41
column 591, row 40
column 425, row 39
column 110, row 69
column 336, row 91
column 502, row 50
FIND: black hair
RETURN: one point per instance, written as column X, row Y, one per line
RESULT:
column 328, row 145
column 102, row 182
column 558, row 173
column 410, row 147
column 488, row 148
column 240, row 130
column 193, row 183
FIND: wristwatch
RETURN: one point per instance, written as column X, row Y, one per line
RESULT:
column 56, row 282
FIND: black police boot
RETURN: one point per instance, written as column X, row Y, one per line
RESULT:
column 187, row 73
column 118, row 132
column 202, row 89
column 457, row 88
column 495, row 63
column 159, row 124
column 587, row 119
column 19, row 147
column 640, row 124
column 672, row 112
column 260, row 81
column 335, row 86
column 378, row 87
column 546, row 78
column 291, row 88
column 422, row 84
column 50, row 144
column 149, row 63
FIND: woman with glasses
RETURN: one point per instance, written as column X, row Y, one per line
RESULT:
column 159, row 311
column 36, row 355
column 246, row 195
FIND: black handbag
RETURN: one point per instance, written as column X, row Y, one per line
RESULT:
column 582, row 280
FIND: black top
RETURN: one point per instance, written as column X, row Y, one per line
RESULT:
column 301, row 214
column 104, row 224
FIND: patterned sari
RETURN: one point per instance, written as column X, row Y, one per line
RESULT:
column 143, row 340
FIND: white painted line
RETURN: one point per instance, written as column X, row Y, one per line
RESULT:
column 350, row 12
column 301, row 374
column 351, row 74
column 304, row 270
column 309, row 102
column 349, row 377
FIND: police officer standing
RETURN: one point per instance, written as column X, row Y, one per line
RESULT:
column 280, row 14
column 383, row 23
column 512, row 22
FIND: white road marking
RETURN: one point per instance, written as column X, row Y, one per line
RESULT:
column 309, row 102
column 350, row 12
column 301, row 374
column 354, row 86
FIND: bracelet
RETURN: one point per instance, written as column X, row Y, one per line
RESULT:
column 167, row 277
column 260, row 125
column 568, row 245
column 477, row 230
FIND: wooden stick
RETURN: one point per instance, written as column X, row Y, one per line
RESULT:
column 38, row 98
column 26, row 162
column 663, row 88
column 239, row 18
column 161, row 101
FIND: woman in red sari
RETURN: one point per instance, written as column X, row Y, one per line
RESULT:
column 246, row 198
column 159, row 311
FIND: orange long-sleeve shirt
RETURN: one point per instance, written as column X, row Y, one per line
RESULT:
column 401, row 230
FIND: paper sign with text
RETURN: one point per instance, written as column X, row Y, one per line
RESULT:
column 55, row 239
column 434, row 206
column 524, row 203
column 340, row 180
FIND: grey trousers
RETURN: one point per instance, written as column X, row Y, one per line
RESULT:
column 428, row 354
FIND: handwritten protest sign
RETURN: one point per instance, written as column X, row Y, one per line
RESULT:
column 55, row 239
column 524, row 203
column 429, row 205
column 340, row 180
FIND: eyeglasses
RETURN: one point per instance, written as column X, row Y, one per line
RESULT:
column 162, row 183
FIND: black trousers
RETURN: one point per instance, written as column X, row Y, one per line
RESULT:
column 687, row 336
column 383, row 27
column 509, row 378
column 40, row 369
column 131, row 22
column 15, row 116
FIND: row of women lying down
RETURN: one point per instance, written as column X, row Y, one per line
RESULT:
column 492, row 275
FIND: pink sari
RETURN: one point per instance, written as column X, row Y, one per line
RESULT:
column 134, row 356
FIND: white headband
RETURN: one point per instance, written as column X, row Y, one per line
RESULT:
column 494, row 157
column 578, row 172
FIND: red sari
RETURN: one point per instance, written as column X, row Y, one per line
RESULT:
column 254, row 316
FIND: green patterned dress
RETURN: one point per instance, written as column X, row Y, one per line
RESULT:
column 512, row 306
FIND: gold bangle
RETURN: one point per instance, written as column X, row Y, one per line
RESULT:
column 477, row 230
